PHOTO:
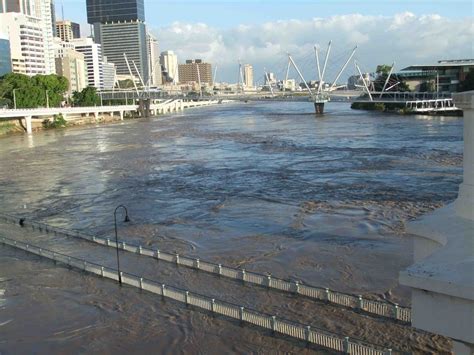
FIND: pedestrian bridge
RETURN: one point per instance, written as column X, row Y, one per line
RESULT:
column 162, row 107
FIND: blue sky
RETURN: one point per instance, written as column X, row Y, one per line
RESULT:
column 261, row 32
column 228, row 13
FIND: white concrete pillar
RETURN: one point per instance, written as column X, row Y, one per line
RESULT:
column 29, row 125
column 464, row 203
column 441, row 278
column 121, row 115
column 181, row 105
column 96, row 115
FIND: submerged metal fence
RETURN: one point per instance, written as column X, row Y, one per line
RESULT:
column 308, row 334
column 379, row 308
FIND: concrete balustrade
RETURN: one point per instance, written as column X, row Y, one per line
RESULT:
column 168, row 106
column 442, row 277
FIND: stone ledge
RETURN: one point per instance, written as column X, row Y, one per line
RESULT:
column 464, row 100
column 448, row 270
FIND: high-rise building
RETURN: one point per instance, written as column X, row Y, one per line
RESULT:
column 26, row 42
column 93, row 58
column 169, row 66
column 108, row 11
column 67, row 30
column 248, row 76
column 71, row 64
column 39, row 13
column 110, row 74
column 5, row 55
column 154, row 61
column 195, row 71
column 120, row 28
column 120, row 39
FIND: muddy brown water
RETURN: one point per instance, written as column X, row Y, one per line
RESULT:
column 267, row 187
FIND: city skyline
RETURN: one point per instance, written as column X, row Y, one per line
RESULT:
column 260, row 33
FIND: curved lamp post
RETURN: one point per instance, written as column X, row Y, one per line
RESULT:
column 116, row 238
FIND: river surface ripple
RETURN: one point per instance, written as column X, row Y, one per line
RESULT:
column 265, row 186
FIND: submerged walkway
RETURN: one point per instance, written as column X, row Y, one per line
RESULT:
column 222, row 295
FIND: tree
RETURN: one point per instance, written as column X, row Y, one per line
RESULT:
column 468, row 83
column 32, row 92
column 87, row 97
column 382, row 72
column 125, row 84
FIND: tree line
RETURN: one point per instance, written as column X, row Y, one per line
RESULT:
column 22, row 91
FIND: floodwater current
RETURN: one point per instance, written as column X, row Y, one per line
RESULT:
column 265, row 186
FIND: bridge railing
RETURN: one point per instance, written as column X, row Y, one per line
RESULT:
column 356, row 302
column 311, row 335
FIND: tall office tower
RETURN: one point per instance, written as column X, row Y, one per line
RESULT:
column 248, row 76
column 94, row 61
column 26, row 42
column 195, row 71
column 67, row 30
column 71, row 64
column 41, row 10
column 5, row 55
column 154, row 61
column 169, row 65
column 120, row 28
column 110, row 74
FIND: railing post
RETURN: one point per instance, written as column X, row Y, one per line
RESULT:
column 197, row 264
column 123, row 245
column 307, row 333
column 346, row 345
column 121, row 275
column 220, row 269
column 243, row 275
column 327, row 294
column 273, row 324
column 163, row 290
column 360, row 302
column 102, row 271
column 158, row 254
column 269, row 280
column 213, row 305
column 297, row 287
column 388, row 352
column 140, row 249
column 108, row 241
column 141, row 283
column 40, row 250
column 241, row 314
column 85, row 264
column 396, row 311
column 177, row 259
column 186, row 298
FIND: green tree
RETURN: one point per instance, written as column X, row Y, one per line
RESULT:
column 468, row 83
column 125, row 84
column 87, row 97
column 32, row 92
column 382, row 72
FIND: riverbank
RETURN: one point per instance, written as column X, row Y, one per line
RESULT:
column 95, row 116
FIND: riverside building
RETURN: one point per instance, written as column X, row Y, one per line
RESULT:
column 67, row 30
column 169, row 65
column 195, row 70
column 120, row 29
column 29, row 25
column 93, row 59
column 5, row 56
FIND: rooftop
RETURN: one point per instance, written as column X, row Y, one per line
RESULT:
column 442, row 64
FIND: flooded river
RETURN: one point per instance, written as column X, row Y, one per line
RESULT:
column 265, row 186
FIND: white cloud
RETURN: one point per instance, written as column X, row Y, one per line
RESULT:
column 404, row 38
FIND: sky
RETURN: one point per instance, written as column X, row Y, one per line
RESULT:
column 261, row 32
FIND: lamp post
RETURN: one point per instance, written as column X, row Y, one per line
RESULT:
column 47, row 99
column 14, row 98
column 116, row 238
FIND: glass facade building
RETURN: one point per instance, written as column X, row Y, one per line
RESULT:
column 5, row 57
column 104, row 11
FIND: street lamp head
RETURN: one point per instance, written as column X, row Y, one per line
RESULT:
column 127, row 219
